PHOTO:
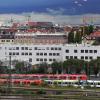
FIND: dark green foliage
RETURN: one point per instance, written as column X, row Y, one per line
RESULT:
column 22, row 67
column 78, row 38
column 88, row 29
column 91, row 28
column 95, row 66
column 42, row 68
column 41, row 92
column 56, row 67
column 71, row 37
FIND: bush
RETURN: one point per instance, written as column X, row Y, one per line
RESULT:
column 41, row 92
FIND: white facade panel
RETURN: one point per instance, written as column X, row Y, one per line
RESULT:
column 48, row 53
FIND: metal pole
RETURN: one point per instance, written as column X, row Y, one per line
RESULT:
column 9, row 78
column 62, row 67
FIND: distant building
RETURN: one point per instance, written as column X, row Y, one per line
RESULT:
column 40, row 38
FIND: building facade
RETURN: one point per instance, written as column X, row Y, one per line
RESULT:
column 40, row 38
column 36, row 54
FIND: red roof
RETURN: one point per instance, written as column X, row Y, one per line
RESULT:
column 95, row 34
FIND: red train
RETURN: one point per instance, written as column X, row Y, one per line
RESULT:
column 27, row 79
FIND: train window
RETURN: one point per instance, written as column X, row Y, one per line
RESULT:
column 65, row 83
column 49, row 82
column 91, row 83
column 55, row 83
column 98, row 83
column 59, row 82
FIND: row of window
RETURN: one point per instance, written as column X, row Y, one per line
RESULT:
column 17, row 53
column 36, row 48
column 83, row 51
column 13, row 53
column 26, row 48
column 50, row 54
column 41, row 59
column 82, row 57
column 6, row 40
column 52, row 48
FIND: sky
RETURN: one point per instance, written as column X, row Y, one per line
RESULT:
column 69, row 7
column 68, row 11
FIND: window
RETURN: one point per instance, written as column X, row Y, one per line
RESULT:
column 54, row 54
column 13, row 53
column 30, row 48
column 30, row 53
column 67, row 57
column 45, row 54
column 91, row 51
column 67, row 51
column 22, row 48
column 26, row 48
column 41, row 54
column 95, row 51
column 75, row 51
column 10, row 53
column 22, row 53
column 3, row 40
column 75, row 57
column 41, row 59
column 50, row 54
column 35, row 48
column 82, row 51
column 17, row 48
column 54, row 60
column 45, row 59
column 37, row 59
column 17, row 53
column 50, row 59
column 52, row 48
column 71, row 57
column 90, row 57
column 55, row 48
column 86, row 51
column 26, row 53
column 82, row 57
column 30, row 59
column 37, row 54
column 58, row 54
column 7, row 40
column 86, row 57
column 59, row 48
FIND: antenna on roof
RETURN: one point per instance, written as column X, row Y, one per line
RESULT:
column 27, row 17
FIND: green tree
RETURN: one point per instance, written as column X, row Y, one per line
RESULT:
column 42, row 68
column 71, row 37
column 86, row 30
column 95, row 66
column 22, row 67
column 68, row 66
column 56, row 67
column 74, row 66
column 90, row 28
column 78, row 37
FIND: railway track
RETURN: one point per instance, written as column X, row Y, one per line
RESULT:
column 52, row 94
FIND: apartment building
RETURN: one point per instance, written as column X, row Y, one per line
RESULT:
column 36, row 54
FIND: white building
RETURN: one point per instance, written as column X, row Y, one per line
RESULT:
column 48, row 53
